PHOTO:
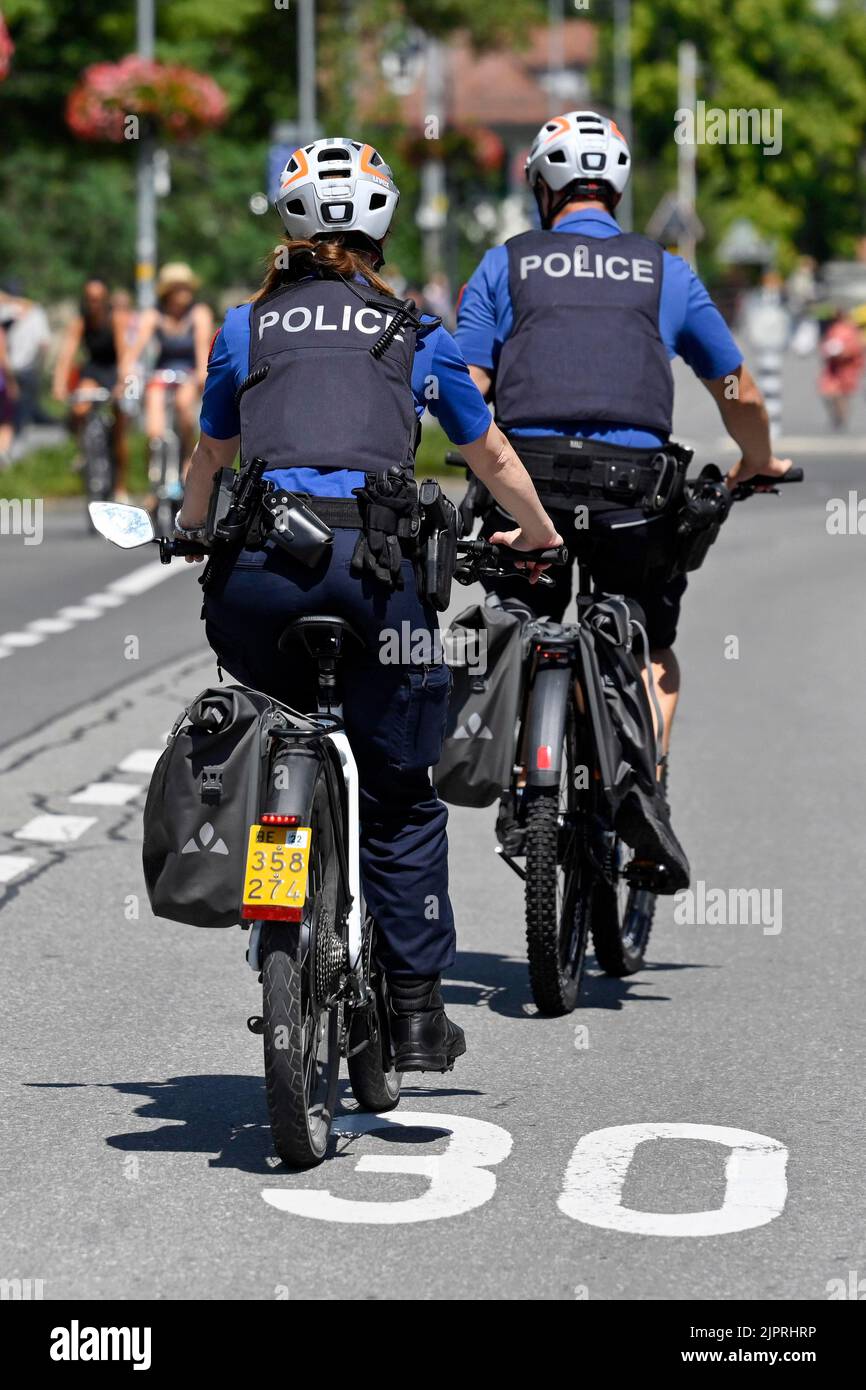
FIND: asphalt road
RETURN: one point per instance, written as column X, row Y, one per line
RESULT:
column 137, row 1157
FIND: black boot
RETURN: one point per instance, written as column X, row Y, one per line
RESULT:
column 423, row 1037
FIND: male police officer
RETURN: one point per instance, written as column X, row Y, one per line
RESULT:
column 571, row 329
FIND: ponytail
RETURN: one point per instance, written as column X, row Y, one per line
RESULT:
column 332, row 258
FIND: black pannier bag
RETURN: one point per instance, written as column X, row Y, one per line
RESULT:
column 626, row 740
column 483, row 648
column 202, row 799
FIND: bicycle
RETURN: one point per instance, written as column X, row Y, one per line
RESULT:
column 311, row 942
column 97, row 443
column 580, row 877
column 165, row 457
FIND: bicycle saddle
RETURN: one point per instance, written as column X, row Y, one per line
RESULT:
column 321, row 635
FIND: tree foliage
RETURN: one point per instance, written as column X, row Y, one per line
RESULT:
column 775, row 54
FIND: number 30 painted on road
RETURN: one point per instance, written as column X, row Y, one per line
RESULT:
column 755, row 1186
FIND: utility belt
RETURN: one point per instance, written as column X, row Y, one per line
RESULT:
column 397, row 518
column 564, row 470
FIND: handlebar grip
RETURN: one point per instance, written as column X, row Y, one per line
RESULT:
column 555, row 555
column 793, row 475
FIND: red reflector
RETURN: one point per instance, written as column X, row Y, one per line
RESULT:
column 543, row 755
column 253, row 912
column 269, row 819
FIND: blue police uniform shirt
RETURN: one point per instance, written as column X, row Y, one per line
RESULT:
column 440, row 383
column 691, row 326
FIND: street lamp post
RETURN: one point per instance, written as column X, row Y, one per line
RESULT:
column 145, row 241
column 622, row 92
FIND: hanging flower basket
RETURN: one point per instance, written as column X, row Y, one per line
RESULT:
column 7, row 48
column 465, row 149
column 176, row 102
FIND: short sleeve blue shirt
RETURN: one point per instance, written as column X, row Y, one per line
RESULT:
column 440, row 383
column 690, row 324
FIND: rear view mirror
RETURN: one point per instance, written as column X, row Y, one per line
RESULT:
column 122, row 525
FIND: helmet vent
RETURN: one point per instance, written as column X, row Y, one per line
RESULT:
column 378, row 200
column 296, row 207
column 332, row 154
column 556, row 157
column 623, row 159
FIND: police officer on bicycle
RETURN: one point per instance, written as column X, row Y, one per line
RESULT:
column 571, row 330
column 335, row 373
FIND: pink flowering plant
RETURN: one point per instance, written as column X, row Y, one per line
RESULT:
column 7, row 48
column 175, row 101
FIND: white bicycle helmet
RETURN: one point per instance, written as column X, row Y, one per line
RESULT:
column 580, row 151
column 337, row 185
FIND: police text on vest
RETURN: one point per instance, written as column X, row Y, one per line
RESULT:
column 586, row 265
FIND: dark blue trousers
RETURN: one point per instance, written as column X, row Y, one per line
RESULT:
column 395, row 698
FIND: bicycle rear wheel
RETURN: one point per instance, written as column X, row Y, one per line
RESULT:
column 302, row 967
column 560, row 888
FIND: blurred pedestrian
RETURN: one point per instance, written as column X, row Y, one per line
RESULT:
column 843, row 358
column 436, row 299
column 28, row 337
column 8, row 399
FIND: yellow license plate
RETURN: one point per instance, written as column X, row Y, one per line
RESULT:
column 275, row 881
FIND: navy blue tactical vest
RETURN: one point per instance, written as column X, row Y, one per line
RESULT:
column 585, row 343
column 326, row 402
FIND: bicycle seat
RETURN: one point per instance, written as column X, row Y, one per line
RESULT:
column 320, row 635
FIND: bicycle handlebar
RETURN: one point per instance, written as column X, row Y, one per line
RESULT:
column 764, row 482
column 481, row 557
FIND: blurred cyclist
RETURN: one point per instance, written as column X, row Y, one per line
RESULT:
column 100, row 332
column 183, row 329
column 332, row 399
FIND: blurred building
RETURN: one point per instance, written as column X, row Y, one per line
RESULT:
column 510, row 91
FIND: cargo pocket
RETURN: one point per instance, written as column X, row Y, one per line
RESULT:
column 425, row 699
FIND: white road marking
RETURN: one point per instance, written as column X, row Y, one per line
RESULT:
column 77, row 613
column 141, row 760
column 145, row 578
column 458, row 1178
column 105, row 600
column 21, row 639
column 55, row 830
column 89, row 608
column 12, row 865
column 755, row 1184
column 50, row 626
column 106, row 794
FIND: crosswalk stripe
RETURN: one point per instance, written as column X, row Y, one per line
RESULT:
column 106, row 794
column 54, row 829
column 141, row 760
column 13, row 865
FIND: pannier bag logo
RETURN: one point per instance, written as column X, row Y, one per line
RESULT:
column 202, row 840
column 473, row 728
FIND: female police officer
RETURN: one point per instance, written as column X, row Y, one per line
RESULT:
column 324, row 410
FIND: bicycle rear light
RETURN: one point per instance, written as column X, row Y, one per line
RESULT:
column 256, row 913
column 270, row 818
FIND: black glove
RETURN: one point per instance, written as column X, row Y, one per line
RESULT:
column 389, row 513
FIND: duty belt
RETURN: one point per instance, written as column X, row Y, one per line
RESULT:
column 563, row 469
column 344, row 513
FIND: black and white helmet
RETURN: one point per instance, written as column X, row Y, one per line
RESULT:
column 337, row 185
column 579, row 146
